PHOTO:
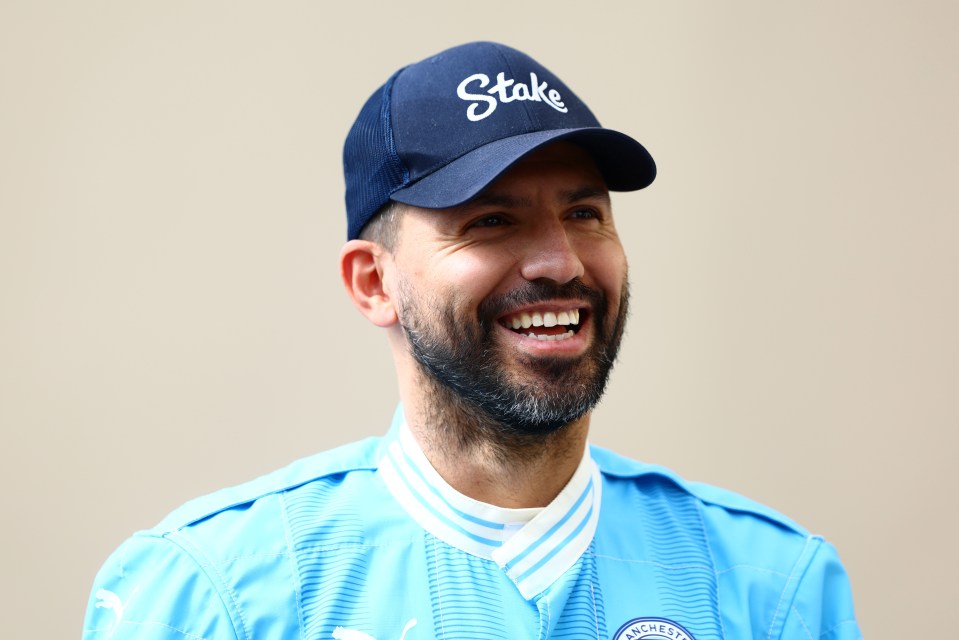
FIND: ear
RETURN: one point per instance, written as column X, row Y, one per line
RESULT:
column 361, row 267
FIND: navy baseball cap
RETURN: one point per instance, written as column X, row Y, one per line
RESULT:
column 441, row 130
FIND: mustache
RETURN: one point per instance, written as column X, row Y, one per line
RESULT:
column 539, row 291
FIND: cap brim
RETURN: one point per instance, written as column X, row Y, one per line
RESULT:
column 624, row 163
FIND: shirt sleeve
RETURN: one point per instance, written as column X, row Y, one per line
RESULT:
column 151, row 589
column 822, row 607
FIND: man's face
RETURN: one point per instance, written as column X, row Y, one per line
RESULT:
column 516, row 301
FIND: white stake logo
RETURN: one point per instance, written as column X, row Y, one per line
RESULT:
column 535, row 91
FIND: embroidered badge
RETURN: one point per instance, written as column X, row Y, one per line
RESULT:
column 652, row 629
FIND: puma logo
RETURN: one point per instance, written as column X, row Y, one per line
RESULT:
column 106, row 599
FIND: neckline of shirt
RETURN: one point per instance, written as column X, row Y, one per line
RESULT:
column 533, row 546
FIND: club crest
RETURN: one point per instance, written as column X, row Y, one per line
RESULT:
column 652, row 629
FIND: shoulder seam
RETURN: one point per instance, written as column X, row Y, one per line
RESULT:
column 294, row 565
column 182, row 543
column 621, row 467
column 712, row 561
column 803, row 562
column 300, row 472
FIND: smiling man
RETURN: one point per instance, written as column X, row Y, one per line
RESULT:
column 482, row 240
column 504, row 316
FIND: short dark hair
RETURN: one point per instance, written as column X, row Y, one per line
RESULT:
column 384, row 227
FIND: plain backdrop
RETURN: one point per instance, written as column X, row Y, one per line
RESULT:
column 172, row 322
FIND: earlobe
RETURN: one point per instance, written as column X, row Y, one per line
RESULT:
column 361, row 267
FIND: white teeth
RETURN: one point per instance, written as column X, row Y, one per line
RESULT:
column 525, row 320
column 562, row 336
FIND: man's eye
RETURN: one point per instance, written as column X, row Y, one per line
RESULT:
column 586, row 214
column 489, row 221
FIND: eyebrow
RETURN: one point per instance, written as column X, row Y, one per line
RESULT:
column 508, row 201
column 585, row 193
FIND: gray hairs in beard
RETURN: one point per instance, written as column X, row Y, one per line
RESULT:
column 469, row 386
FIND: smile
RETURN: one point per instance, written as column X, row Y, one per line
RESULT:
column 546, row 325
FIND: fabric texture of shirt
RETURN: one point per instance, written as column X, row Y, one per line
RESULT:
column 368, row 542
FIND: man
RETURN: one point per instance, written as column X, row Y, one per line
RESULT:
column 481, row 239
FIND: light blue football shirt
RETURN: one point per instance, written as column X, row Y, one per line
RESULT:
column 368, row 541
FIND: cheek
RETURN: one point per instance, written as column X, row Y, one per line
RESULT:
column 608, row 268
column 472, row 278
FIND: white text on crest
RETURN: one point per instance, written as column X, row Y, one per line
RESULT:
column 506, row 91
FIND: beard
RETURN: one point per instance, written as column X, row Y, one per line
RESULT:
column 475, row 388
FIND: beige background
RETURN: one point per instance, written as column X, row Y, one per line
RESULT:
column 172, row 321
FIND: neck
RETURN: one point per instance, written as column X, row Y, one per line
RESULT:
column 486, row 461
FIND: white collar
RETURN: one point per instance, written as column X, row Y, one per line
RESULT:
column 533, row 546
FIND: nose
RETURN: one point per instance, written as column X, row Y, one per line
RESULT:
column 549, row 254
